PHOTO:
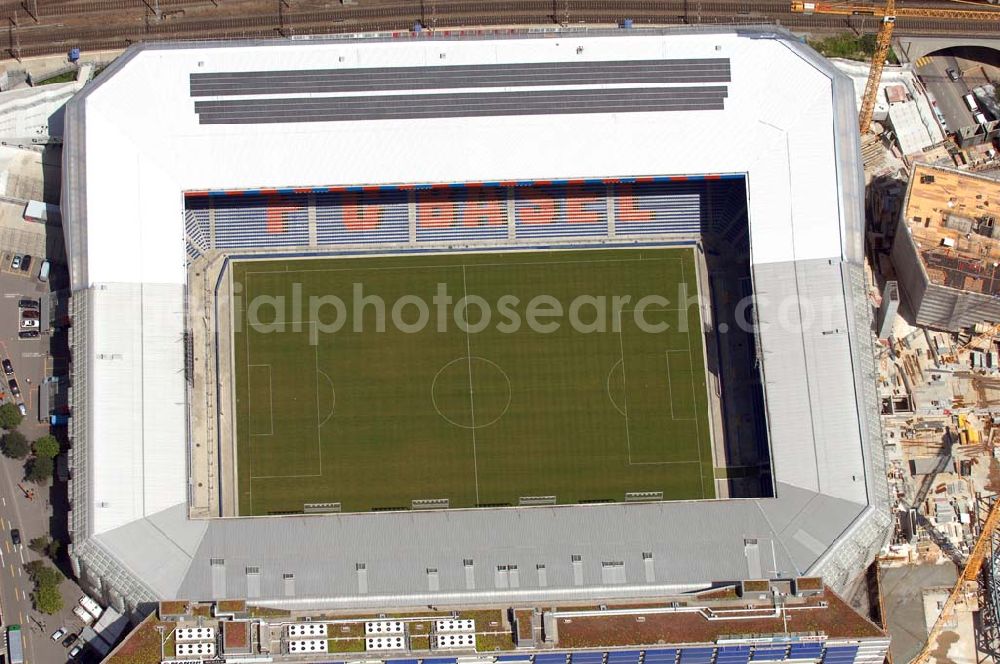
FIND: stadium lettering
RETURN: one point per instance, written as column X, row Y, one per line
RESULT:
column 580, row 205
column 627, row 209
column 540, row 209
column 435, row 209
column 361, row 214
column 274, row 218
column 485, row 207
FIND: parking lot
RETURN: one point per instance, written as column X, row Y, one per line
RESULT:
column 949, row 76
column 32, row 510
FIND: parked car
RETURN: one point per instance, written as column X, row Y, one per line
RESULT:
column 8, row 368
column 58, row 634
column 15, row 537
column 15, row 264
column 14, row 388
column 68, row 641
column 25, row 263
column 21, row 408
column 29, row 313
column 75, row 651
column 953, row 75
column 29, row 323
column 27, row 304
column 979, row 118
column 28, row 334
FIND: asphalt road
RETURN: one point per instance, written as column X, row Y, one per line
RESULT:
column 34, row 516
column 946, row 92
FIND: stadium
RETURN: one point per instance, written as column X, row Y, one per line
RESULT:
column 233, row 437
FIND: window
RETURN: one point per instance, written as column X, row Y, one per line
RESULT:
column 252, row 571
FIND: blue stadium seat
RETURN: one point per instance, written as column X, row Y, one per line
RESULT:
column 805, row 650
column 769, row 653
column 551, row 658
column 700, row 655
column 261, row 221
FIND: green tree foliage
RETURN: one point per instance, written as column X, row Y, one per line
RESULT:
column 10, row 416
column 14, row 445
column 47, row 599
column 39, row 470
column 47, row 447
column 41, row 574
column 46, row 595
column 39, row 544
column 849, row 46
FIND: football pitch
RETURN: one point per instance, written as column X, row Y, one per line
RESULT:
column 480, row 380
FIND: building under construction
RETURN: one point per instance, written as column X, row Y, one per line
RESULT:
column 947, row 248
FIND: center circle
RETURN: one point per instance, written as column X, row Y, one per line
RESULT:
column 471, row 392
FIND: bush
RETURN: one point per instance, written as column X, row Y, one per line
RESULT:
column 47, row 447
column 48, row 599
column 10, row 416
column 39, row 544
column 14, row 445
column 39, row 470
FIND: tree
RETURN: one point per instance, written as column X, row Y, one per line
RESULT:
column 48, row 599
column 14, row 445
column 39, row 544
column 10, row 416
column 41, row 574
column 47, row 447
column 39, row 470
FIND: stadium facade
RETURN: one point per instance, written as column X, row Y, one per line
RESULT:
column 166, row 124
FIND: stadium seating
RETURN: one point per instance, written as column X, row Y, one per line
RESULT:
column 362, row 217
column 261, row 221
column 723, row 654
column 559, row 210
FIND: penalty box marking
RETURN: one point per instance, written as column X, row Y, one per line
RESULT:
column 628, row 441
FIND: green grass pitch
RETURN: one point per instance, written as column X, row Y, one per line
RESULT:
column 374, row 419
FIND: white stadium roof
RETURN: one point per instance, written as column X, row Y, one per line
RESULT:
column 135, row 141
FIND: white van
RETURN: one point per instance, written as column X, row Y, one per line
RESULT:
column 970, row 101
column 980, row 118
column 92, row 607
column 43, row 272
column 83, row 615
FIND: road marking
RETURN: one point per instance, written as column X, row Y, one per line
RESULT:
column 20, row 550
column 4, row 501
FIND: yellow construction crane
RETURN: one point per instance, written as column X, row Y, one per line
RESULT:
column 971, row 572
column 888, row 14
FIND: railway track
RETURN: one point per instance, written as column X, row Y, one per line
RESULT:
column 133, row 21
